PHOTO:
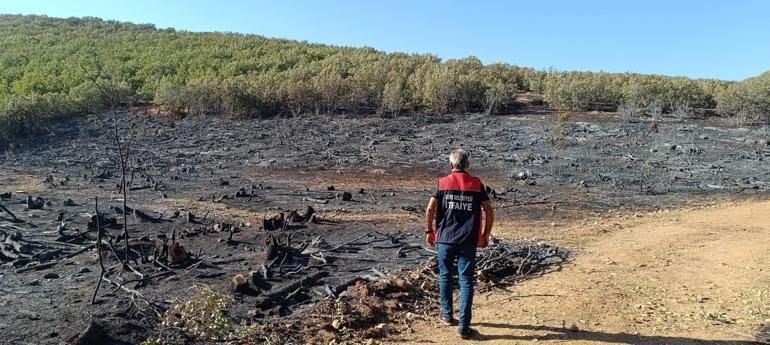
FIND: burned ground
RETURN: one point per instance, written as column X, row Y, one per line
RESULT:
column 366, row 178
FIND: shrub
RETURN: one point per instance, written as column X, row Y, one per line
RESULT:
column 748, row 100
column 205, row 318
column 582, row 91
column 631, row 109
column 561, row 128
column 682, row 111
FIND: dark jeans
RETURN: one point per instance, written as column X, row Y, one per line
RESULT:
column 465, row 255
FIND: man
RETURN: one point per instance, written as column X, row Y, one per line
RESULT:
column 454, row 222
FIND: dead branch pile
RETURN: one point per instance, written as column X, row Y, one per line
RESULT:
column 503, row 263
column 374, row 309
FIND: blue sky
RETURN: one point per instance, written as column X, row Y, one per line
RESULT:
column 701, row 39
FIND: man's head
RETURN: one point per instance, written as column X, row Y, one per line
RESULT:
column 458, row 159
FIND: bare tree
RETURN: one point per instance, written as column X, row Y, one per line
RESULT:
column 123, row 151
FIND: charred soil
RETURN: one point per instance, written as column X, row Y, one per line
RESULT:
column 304, row 208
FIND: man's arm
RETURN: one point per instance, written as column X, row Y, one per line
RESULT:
column 430, row 214
column 489, row 220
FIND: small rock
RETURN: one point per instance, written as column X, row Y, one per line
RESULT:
column 330, row 188
column 69, row 202
column 84, row 270
column 346, row 196
column 51, row 275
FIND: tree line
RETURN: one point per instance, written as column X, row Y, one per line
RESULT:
column 51, row 67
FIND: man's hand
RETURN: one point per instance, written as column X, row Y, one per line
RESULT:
column 430, row 239
column 489, row 220
column 430, row 214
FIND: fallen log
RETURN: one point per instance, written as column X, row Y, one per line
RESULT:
column 140, row 215
column 13, row 216
column 7, row 252
column 278, row 294
column 139, row 188
column 318, row 201
column 38, row 267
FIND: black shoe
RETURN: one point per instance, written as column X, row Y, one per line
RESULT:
column 466, row 333
column 447, row 320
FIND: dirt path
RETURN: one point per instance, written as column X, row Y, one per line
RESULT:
column 683, row 277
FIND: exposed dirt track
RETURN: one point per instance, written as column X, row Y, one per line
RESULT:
column 674, row 277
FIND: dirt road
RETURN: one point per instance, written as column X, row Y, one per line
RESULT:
column 697, row 276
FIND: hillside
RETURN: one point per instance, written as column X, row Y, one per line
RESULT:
column 51, row 67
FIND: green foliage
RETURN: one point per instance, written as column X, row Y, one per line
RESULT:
column 48, row 67
column 607, row 91
column 22, row 116
column 748, row 101
column 205, row 318
column 583, row 90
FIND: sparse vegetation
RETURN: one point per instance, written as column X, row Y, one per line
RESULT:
column 205, row 317
column 558, row 138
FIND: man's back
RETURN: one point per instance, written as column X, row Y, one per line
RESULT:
column 458, row 216
column 454, row 225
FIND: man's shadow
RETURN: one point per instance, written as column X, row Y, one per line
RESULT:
column 559, row 333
